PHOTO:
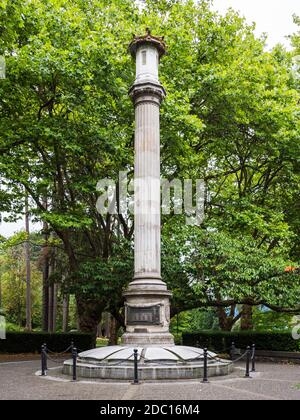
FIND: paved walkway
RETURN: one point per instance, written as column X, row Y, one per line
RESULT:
column 19, row 380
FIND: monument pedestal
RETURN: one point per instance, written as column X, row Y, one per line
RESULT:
column 147, row 313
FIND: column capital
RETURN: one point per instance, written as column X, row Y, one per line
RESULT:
column 147, row 92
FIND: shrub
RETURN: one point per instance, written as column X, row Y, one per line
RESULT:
column 13, row 327
column 263, row 340
column 25, row 342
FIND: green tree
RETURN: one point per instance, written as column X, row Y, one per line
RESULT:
column 13, row 282
column 230, row 118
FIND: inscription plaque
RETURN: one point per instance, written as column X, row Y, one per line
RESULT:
column 145, row 315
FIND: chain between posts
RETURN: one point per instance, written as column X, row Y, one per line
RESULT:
column 61, row 352
column 230, row 362
column 45, row 356
column 249, row 353
column 120, row 362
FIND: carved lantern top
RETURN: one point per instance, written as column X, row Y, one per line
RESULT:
column 156, row 41
column 147, row 50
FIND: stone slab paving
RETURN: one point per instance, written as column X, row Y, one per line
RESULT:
column 18, row 380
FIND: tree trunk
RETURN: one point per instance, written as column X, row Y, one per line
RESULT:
column 52, row 298
column 224, row 322
column 99, row 330
column 106, row 317
column 28, row 268
column 54, row 309
column 89, row 313
column 50, row 308
column 113, row 332
column 52, row 315
column 65, row 320
column 246, row 318
column 45, row 269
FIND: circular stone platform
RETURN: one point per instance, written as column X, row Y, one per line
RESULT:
column 154, row 363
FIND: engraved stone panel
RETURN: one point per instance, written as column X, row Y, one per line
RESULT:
column 143, row 315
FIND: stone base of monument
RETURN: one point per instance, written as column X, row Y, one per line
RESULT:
column 162, row 362
column 148, row 339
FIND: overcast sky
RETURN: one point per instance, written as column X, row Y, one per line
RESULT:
column 271, row 16
column 275, row 17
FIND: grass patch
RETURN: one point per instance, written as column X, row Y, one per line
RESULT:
column 101, row 342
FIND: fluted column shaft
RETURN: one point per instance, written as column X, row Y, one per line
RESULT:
column 147, row 188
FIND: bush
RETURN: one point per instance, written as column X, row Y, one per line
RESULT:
column 25, row 342
column 13, row 327
column 177, row 338
column 219, row 340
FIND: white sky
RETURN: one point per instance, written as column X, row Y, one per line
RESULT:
column 271, row 16
column 8, row 229
column 275, row 17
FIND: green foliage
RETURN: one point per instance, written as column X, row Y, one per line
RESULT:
column 226, row 265
column 13, row 280
column 203, row 320
column 271, row 321
column 231, row 117
column 180, row 322
column 102, row 342
column 194, row 320
column 100, row 277
column 10, row 327
column 24, row 342
column 221, row 340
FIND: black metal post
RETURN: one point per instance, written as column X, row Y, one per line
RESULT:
column 205, row 378
column 253, row 358
column 72, row 346
column 43, row 369
column 45, row 353
column 74, row 357
column 248, row 356
column 232, row 350
column 135, row 361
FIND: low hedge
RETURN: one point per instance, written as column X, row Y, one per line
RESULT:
column 25, row 342
column 219, row 340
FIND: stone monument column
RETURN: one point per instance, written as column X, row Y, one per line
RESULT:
column 147, row 299
column 147, row 306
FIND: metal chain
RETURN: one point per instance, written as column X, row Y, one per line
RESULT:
column 232, row 361
column 216, row 358
column 210, row 356
column 239, row 358
column 53, row 360
column 61, row 352
column 110, row 364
